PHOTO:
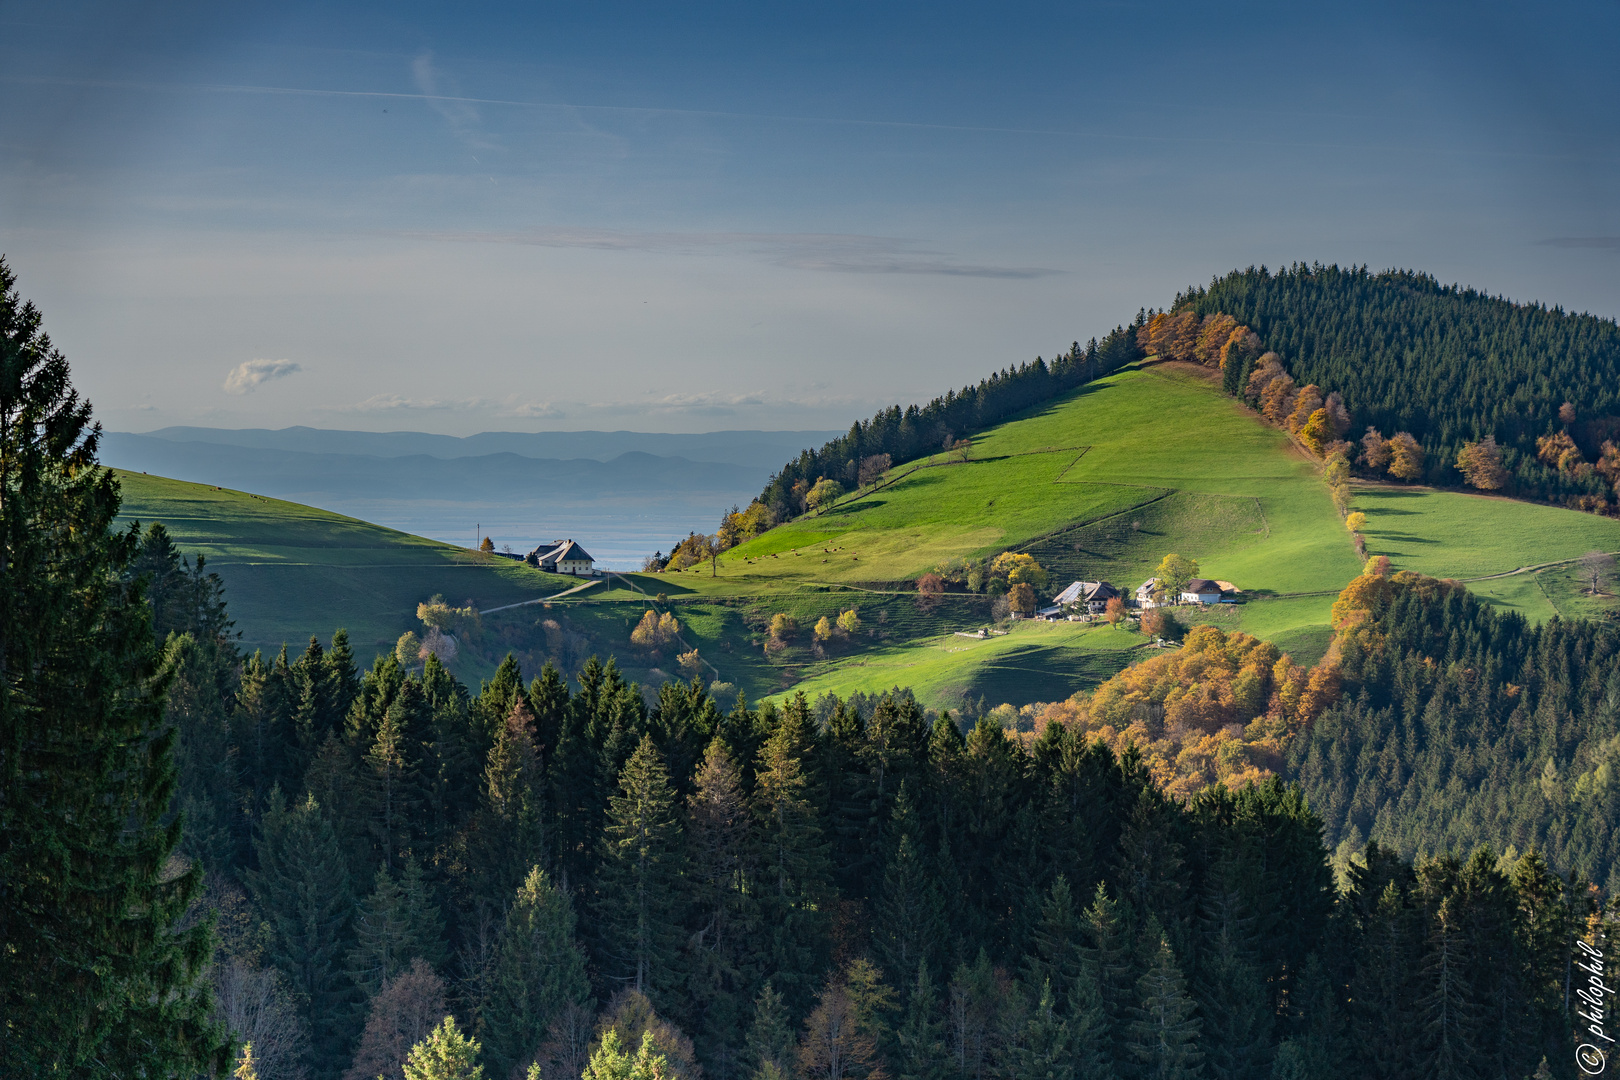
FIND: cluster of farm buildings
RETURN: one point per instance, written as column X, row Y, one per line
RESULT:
column 1091, row 597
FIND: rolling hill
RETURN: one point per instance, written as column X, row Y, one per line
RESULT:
column 1101, row 482
column 292, row 571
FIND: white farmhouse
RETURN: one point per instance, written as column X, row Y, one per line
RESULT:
column 1201, row 591
column 561, row 557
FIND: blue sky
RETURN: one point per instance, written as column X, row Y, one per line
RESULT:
column 687, row 217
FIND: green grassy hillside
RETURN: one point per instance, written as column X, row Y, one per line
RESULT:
column 1517, row 555
column 1034, row 661
column 292, row 571
column 1100, row 483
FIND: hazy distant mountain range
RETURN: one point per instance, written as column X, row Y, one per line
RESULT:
column 621, row 493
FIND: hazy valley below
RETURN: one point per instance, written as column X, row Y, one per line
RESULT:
column 622, row 494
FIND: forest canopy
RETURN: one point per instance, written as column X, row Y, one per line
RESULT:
column 1453, row 366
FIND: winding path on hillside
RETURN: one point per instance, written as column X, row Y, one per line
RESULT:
column 1531, row 569
column 543, row 599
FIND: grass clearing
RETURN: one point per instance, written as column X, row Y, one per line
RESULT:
column 1036, row 661
column 1237, row 495
column 292, row 571
column 1450, row 534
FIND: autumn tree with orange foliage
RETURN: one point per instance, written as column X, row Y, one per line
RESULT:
column 1481, row 464
column 1221, row 709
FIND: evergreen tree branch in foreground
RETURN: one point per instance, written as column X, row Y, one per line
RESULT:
column 95, row 979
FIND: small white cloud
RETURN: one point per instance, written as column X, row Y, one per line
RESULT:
column 532, row 410
column 246, row 376
column 396, row 403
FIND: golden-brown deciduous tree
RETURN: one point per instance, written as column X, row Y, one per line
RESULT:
column 1182, row 336
column 1266, row 369
column 1114, row 610
column 1560, row 451
column 1608, row 465
column 1022, row 598
column 1406, row 457
column 1277, row 398
column 1481, row 464
column 836, row 1045
column 1375, row 452
column 1150, row 336
column 1306, row 402
column 1241, row 344
column 1317, row 431
column 1212, row 338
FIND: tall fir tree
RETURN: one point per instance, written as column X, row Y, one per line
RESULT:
column 920, row 1038
column 770, row 1048
column 95, row 974
column 539, row 971
column 794, row 876
column 716, row 908
column 636, row 887
column 1162, row 1037
column 510, row 834
column 909, row 922
column 1044, row 1050
column 302, row 889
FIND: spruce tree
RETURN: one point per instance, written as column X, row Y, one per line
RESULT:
column 715, row 908
column 1448, row 1021
column 1231, row 997
column 539, row 971
column 397, row 923
column 510, row 835
column 1090, row 1033
column 302, row 889
column 638, row 878
column 1318, row 1049
column 793, row 873
column 1107, row 956
column 1044, row 1050
column 770, row 1046
column 380, row 933
column 95, row 977
column 388, row 786
column 921, row 1035
column 908, row 913
column 1162, row 1037
column 1058, row 939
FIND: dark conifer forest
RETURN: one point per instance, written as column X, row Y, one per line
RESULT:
column 1449, row 365
column 1462, row 725
column 561, row 875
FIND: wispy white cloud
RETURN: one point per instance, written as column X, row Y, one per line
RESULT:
column 835, row 252
column 399, row 403
column 532, row 410
column 460, row 113
column 249, row 374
